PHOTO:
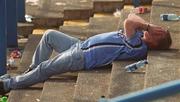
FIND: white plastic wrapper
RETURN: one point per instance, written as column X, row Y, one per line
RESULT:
column 29, row 18
column 32, row 2
column 11, row 63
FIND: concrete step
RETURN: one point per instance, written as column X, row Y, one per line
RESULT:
column 107, row 5
column 123, row 82
column 170, row 25
column 59, row 88
column 80, row 32
column 78, row 9
column 43, row 17
column 168, row 3
column 96, row 26
column 31, row 94
column 28, row 52
column 163, row 67
column 109, row 22
column 52, row 12
column 91, row 85
column 103, row 25
column 25, row 29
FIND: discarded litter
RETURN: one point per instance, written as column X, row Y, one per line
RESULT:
column 3, row 99
column 15, row 54
column 29, row 18
column 134, row 66
column 141, row 10
column 11, row 64
column 169, row 17
column 117, row 13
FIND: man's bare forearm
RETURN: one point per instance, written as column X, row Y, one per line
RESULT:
column 141, row 24
column 134, row 23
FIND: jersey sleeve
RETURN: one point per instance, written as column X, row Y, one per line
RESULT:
column 136, row 40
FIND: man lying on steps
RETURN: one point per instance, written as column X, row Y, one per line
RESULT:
column 139, row 36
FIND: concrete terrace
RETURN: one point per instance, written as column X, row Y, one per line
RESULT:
column 83, row 19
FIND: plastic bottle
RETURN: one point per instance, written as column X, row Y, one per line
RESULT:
column 135, row 66
column 102, row 99
column 169, row 17
column 11, row 63
column 3, row 99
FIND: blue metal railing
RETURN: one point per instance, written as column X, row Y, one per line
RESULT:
column 149, row 94
column 11, row 23
column 21, row 10
column 3, row 37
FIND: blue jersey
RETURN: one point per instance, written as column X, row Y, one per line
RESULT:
column 104, row 48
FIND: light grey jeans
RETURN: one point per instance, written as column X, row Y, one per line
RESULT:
column 70, row 58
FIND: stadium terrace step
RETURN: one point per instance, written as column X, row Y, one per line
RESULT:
column 164, row 65
column 43, row 17
column 96, row 26
column 76, row 31
column 31, row 94
column 91, row 85
column 81, row 32
column 123, row 16
column 172, row 26
column 105, row 22
column 74, row 14
column 25, row 29
column 26, row 59
column 78, row 9
column 107, row 5
column 168, row 3
column 123, row 82
column 59, row 88
column 103, row 25
column 52, row 12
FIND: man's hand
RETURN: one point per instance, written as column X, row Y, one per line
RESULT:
column 152, row 29
column 134, row 17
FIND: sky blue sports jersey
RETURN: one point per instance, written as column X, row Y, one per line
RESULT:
column 104, row 48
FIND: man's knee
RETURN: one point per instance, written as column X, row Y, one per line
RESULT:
column 51, row 34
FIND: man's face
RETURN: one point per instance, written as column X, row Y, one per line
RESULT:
column 153, row 38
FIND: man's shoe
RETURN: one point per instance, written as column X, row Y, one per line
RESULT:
column 2, row 90
column 5, row 76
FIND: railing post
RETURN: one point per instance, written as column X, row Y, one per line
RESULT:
column 20, row 10
column 3, row 37
column 11, row 23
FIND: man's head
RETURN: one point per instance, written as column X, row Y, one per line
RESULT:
column 158, row 40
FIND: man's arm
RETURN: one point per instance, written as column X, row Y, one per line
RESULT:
column 133, row 23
